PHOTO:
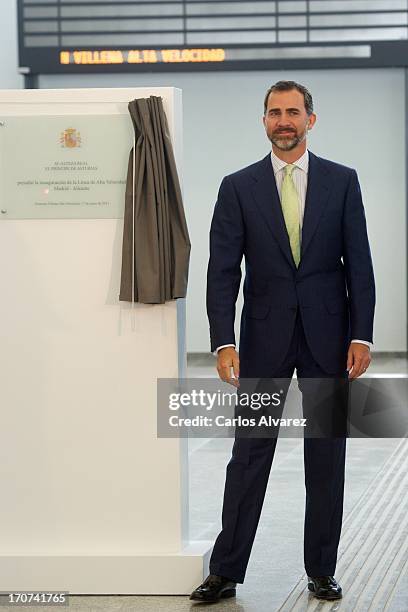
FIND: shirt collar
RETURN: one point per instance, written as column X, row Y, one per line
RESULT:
column 302, row 162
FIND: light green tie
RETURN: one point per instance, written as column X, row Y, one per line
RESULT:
column 290, row 208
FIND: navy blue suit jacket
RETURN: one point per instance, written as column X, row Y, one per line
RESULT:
column 333, row 288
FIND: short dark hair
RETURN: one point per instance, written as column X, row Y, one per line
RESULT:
column 289, row 86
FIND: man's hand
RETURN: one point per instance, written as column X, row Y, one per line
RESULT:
column 228, row 358
column 358, row 359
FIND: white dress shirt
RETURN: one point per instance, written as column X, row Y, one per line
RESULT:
column 299, row 176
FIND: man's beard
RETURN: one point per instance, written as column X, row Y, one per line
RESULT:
column 287, row 143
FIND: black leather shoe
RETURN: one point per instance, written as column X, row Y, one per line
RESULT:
column 214, row 588
column 324, row 587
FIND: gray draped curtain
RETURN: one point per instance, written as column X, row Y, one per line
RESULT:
column 156, row 244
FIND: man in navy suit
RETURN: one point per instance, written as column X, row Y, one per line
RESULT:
column 309, row 297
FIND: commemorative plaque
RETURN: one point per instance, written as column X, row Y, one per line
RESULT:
column 64, row 167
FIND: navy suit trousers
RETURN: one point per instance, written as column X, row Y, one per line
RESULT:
column 247, row 476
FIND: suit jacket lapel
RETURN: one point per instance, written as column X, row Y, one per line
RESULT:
column 267, row 199
column 318, row 188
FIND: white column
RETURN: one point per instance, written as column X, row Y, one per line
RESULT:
column 92, row 501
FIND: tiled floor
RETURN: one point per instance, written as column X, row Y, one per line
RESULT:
column 275, row 577
column 373, row 555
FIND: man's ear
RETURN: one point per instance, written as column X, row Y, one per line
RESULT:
column 312, row 121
